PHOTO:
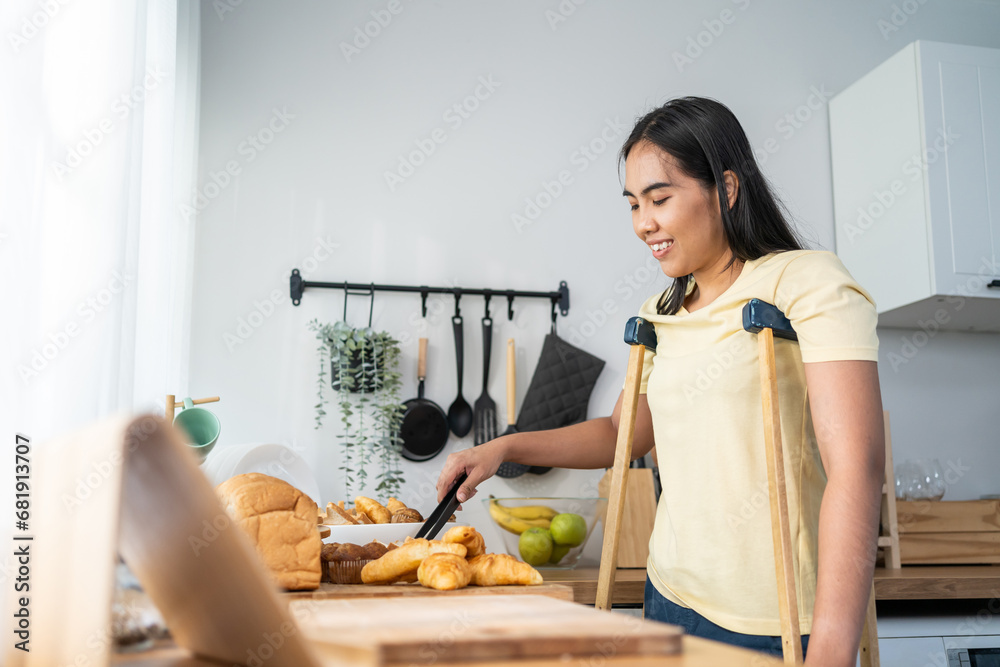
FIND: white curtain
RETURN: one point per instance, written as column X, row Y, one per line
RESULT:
column 99, row 120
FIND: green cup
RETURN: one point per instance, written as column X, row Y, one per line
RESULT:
column 201, row 427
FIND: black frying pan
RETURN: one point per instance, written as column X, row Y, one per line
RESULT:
column 425, row 426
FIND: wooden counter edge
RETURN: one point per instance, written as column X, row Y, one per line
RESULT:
column 630, row 584
column 949, row 582
column 911, row 582
column 695, row 652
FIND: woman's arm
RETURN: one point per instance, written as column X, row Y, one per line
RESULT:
column 589, row 444
column 847, row 415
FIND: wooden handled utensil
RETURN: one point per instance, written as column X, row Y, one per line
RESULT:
column 511, row 470
column 424, row 429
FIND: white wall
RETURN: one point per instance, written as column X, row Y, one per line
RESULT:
column 322, row 177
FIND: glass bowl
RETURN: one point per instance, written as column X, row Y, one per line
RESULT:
column 512, row 516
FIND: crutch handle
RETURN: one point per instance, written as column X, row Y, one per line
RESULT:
column 759, row 315
column 640, row 332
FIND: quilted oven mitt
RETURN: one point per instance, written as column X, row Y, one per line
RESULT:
column 560, row 389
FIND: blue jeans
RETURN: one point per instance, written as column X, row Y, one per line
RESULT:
column 658, row 608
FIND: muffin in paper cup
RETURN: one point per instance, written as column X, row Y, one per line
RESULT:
column 347, row 571
column 344, row 562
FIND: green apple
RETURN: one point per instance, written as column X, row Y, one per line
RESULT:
column 559, row 552
column 568, row 529
column 535, row 546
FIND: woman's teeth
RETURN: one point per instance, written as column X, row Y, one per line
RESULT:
column 662, row 246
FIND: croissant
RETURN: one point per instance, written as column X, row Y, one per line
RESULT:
column 401, row 564
column 502, row 570
column 468, row 536
column 445, row 572
column 373, row 508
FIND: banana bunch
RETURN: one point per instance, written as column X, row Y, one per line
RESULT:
column 519, row 519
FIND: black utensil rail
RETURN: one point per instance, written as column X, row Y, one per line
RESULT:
column 558, row 298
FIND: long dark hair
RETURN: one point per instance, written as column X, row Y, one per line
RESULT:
column 706, row 139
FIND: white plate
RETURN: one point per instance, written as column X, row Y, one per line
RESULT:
column 281, row 462
column 383, row 532
column 270, row 459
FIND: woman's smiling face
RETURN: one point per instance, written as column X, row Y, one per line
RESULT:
column 673, row 213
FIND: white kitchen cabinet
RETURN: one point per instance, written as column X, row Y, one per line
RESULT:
column 915, row 146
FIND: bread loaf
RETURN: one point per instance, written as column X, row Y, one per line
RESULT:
column 281, row 522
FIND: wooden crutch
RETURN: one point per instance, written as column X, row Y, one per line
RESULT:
column 767, row 321
column 639, row 334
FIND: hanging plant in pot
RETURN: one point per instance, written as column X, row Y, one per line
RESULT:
column 364, row 374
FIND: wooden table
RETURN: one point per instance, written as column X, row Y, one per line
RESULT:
column 932, row 582
column 697, row 653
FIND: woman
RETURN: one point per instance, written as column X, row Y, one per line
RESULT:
column 707, row 214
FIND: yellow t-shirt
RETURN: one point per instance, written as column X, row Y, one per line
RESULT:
column 711, row 547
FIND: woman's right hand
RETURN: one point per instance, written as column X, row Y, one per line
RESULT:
column 480, row 463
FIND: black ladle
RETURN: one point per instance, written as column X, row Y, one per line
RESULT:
column 460, row 412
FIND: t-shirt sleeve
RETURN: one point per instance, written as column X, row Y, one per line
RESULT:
column 834, row 317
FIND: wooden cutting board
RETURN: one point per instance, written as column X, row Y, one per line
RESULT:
column 637, row 517
column 378, row 631
column 328, row 591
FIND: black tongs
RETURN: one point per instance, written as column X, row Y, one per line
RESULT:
column 435, row 522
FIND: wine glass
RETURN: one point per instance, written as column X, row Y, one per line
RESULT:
column 909, row 485
column 933, row 478
column 902, row 477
